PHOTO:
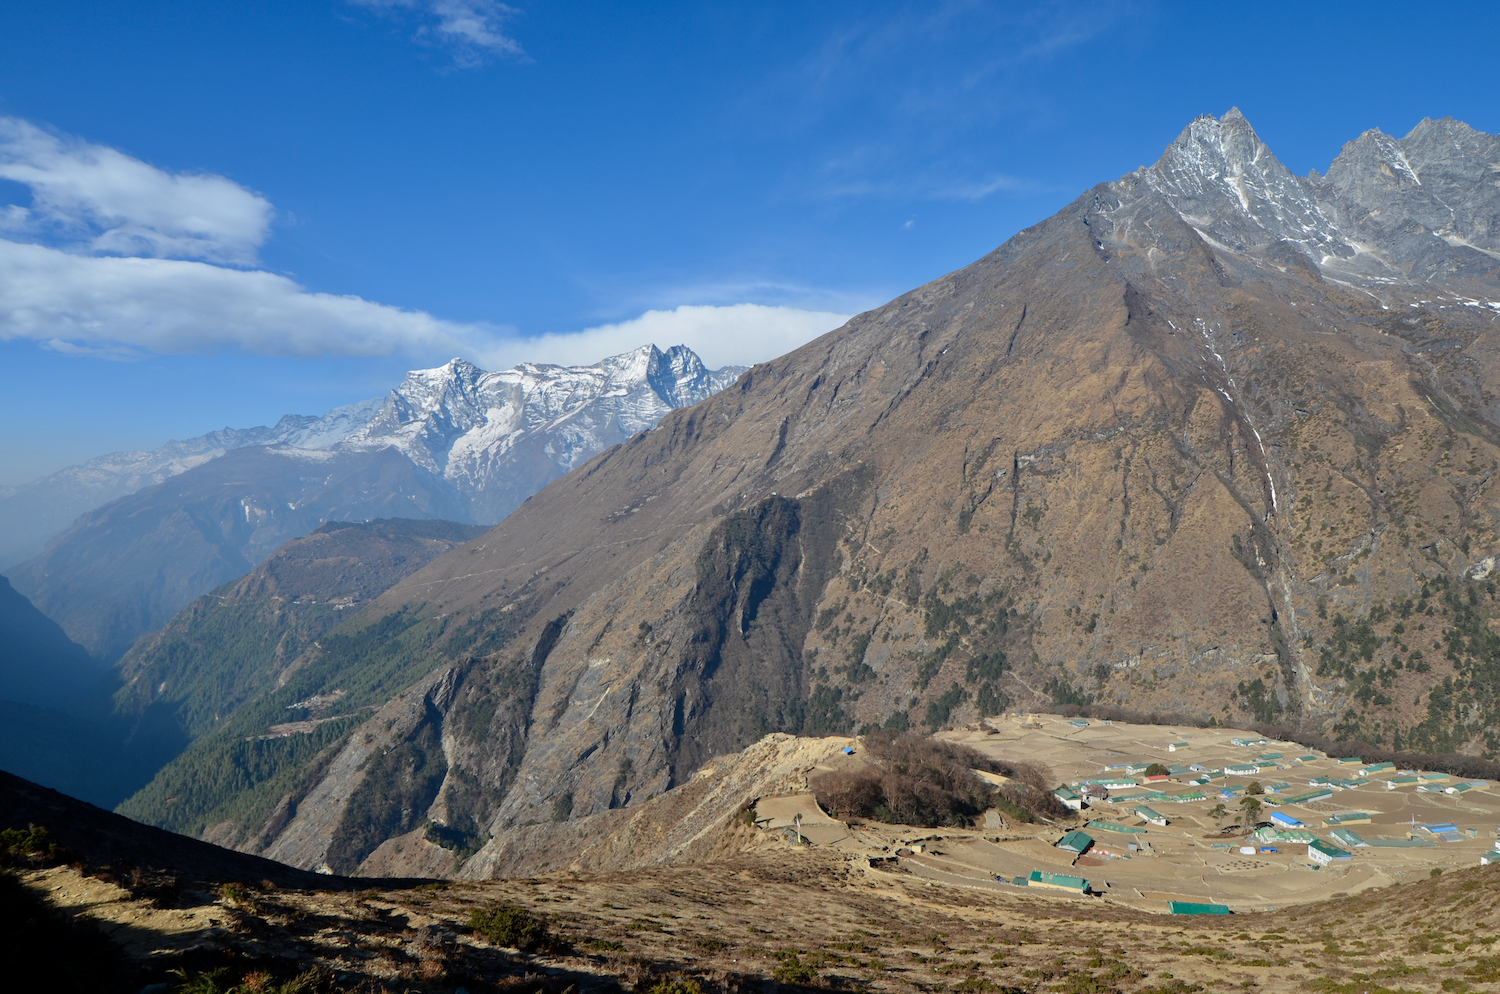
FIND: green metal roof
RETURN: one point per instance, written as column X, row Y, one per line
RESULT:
column 1109, row 827
column 1192, row 908
column 1076, row 841
column 1312, row 795
column 1057, row 880
column 1331, row 851
column 1348, row 837
column 1284, row 835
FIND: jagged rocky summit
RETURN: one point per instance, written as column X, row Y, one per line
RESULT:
column 499, row 437
column 1214, row 439
column 455, row 442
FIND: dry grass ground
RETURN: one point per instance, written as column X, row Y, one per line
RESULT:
column 732, row 906
column 806, row 918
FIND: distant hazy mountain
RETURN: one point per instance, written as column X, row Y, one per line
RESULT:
column 222, row 649
column 42, row 671
column 125, row 569
column 32, row 513
column 454, row 442
column 39, row 664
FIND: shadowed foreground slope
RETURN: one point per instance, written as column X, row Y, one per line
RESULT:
column 751, row 918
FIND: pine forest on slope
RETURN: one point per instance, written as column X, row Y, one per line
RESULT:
column 1213, row 439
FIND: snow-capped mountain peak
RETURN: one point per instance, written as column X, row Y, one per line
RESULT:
column 476, row 429
column 1227, row 183
column 494, row 437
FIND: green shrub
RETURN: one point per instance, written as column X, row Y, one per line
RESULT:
column 212, row 982
column 604, row 945
column 675, row 985
column 791, row 971
column 217, row 982
column 510, row 925
column 32, row 842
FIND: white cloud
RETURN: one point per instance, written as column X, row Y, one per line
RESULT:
column 472, row 29
column 736, row 335
column 116, row 258
column 93, row 305
column 113, row 308
column 97, row 199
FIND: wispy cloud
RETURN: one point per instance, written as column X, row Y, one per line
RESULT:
column 898, row 100
column 736, row 334
column 97, row 199
column 776, row 293
column 472, row 30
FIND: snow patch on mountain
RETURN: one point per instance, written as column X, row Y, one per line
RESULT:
column 1389, row 211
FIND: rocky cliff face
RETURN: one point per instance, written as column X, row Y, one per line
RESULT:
column 1213, row 439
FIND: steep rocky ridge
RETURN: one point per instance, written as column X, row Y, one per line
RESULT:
column 230, row 644
column 236, row 644
column 1200, row 442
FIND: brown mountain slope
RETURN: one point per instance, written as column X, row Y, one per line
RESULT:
column 1154, row 450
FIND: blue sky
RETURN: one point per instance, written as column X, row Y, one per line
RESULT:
column 215, row 213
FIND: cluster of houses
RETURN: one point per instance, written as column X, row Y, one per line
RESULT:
column 1127, row 785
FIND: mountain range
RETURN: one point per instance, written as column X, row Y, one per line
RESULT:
column 454, row 443
column 1214, row 440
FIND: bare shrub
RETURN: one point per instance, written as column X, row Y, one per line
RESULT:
column 924, row 781
column 850, row 794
